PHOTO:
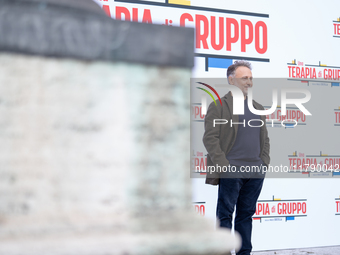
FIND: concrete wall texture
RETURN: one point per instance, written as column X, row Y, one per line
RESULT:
column 96, row 148
column 95, row 135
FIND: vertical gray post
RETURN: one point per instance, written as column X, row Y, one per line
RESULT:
column 94, row 135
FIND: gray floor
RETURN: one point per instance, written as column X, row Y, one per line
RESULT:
column 332, row 250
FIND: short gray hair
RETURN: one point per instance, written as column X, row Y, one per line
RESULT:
column 232, row 68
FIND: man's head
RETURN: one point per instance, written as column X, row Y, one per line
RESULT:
column 239, row 74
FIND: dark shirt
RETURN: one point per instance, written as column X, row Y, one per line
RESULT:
column 246, row 149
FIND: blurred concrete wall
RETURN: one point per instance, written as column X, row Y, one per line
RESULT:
column 94, row 135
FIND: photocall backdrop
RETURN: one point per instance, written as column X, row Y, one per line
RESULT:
column 290, row 44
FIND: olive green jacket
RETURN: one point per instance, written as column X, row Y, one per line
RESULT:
column 219, row 140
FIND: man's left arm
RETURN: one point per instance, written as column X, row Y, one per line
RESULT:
column 266, row 148
column 264, row 132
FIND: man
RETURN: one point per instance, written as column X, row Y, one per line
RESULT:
column 238, row 146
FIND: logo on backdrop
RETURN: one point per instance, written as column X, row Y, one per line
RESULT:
column 336, row 28
column 199, row 208
column 278, row 209
column 337, row 117
column 199, row 161
column 322, row 165
column 315, row 75
column 219, row 32
column 294, row 114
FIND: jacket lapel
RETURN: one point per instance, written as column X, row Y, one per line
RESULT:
column 229, row 100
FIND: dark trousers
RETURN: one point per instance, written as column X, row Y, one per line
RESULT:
column 242, row 192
